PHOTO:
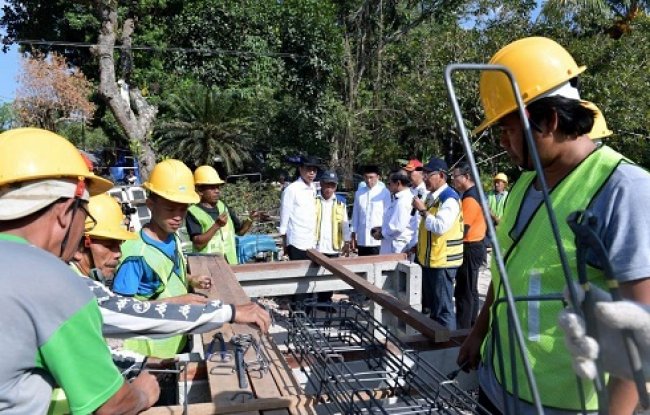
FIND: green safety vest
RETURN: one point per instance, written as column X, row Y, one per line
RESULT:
column 223, row 240
column 171, row 285
column 497, row 207
column 533, row 266
column 338, row 215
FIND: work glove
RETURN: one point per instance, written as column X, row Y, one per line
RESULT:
column 611, row 318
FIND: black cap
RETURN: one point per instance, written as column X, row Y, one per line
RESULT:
column 371, row 168
column 310, row 161
column 329, row 176
column 435, row 164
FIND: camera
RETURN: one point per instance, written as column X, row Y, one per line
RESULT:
column 127, row 209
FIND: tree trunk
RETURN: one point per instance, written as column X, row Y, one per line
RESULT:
column 134, row 115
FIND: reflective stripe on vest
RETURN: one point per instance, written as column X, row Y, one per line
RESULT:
column 338, row 214
column 171, row 285
column 446, row 250
column 534, row 268
column 223, row 240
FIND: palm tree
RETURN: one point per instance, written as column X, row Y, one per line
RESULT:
column 204, row 125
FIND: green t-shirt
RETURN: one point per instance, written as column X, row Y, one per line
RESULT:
column 51, row 334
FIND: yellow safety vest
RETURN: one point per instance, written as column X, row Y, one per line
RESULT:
column 223, row 240
column 534, row 268
column 171, row 285
column 446, row 250
column 338, row 216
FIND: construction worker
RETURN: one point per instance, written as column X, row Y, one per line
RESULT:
column 152, row 266
column 579, row 176
column 98, row 257
column 599, row 130
column 51, row 323
column 497, row 197
column 210, row 223
column 474, row 252
column 440, row 242
column 370, row 202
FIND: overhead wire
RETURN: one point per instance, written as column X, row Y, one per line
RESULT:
column 203, row 51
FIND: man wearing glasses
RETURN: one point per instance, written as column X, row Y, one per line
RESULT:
column 440, row 242
column 51, row 322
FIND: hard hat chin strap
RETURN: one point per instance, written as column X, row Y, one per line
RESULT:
column 79, row 192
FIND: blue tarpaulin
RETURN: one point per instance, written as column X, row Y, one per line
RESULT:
column 248, row 246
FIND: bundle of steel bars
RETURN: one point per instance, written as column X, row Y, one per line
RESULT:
column 393, row 380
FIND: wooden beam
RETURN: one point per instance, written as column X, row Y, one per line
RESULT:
column 268, row 404
column 402, row 311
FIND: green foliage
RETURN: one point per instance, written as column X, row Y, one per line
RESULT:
column 243, row 197
column 204, row 125
column 7, row 116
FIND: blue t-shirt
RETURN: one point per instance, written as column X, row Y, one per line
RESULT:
column 135, row 276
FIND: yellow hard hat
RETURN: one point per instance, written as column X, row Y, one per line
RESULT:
column 502, row 177
column 110, row 219
column 539, row 66
column 172, row 180
column 28, row 154
column 206, row 175
column 599, row 130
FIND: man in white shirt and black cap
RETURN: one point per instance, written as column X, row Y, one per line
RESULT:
column 298, row 210
column 368, row 212
column 332, row 224
column 399, row 225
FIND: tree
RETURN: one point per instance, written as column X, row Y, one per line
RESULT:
column 204, row 125
column 134, row 114
column 7, row 116
column 50, row 91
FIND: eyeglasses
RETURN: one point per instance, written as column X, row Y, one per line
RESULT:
column 91, row 222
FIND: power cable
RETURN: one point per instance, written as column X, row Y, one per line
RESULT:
column 210, row 52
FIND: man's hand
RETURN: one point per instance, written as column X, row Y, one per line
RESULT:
column 611, row 319
column 222, row 219
column 346, row 249
column 253, row 313
column 353, row 242
column 202, row 282
column 148, row 386
column 418, row 204
column 469, row 354
column 376, row 233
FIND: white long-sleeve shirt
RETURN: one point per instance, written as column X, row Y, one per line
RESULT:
column 368, row 212
column 325, row 244
column 399, row 226
column 297, row 213
column 444, row 219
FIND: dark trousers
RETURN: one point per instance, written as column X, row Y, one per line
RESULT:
column 368, row 250
column 326, row 296
column 296, row 254
column 466, row 291
column 440, row 285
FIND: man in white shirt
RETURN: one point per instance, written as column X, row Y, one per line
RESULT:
column 418, row 187
column 368, row 212
column 399, row 225
column 297, row 212
column 332, row 225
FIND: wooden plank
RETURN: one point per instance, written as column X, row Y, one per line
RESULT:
column 225, row 287
column 402, row 311
column 250, row 407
